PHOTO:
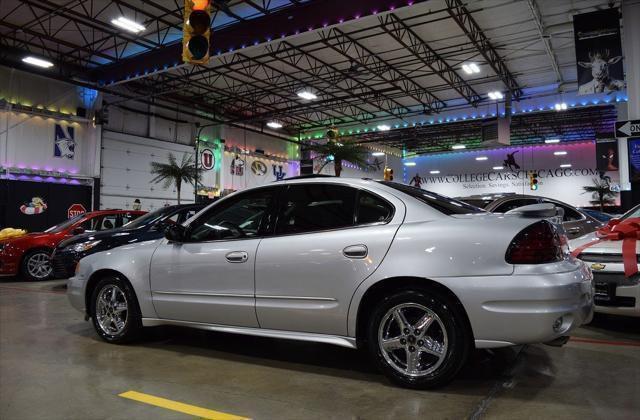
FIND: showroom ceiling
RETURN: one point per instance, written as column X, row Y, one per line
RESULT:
column 365, row 61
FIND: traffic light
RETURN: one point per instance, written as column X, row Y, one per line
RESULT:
column 196, row 31
column 388, row 174
column 533, row 180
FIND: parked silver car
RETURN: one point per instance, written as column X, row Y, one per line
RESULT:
column 576, row 222
column 417, row 278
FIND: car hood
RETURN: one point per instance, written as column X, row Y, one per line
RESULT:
column 602, row 247
column 93, row 236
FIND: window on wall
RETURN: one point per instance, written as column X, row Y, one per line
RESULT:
column 316, row 207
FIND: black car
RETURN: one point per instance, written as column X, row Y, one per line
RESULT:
column 148, row 227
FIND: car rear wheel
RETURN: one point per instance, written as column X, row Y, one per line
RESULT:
column 417, row 339
column 114, row 311
column 36, row 265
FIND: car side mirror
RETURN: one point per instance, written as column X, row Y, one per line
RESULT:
column 78, row 230
column 175, row 233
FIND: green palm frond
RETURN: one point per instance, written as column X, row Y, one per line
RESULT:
column 341, row 152
column 601, row 193
column 174, row 172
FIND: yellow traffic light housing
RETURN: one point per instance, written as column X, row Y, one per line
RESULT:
column 196, row 31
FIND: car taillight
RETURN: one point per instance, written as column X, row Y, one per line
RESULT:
column 537, row 244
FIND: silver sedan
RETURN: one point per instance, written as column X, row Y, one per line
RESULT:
column 417, row 279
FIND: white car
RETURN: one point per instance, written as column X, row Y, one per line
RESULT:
column 416, row 278
column 614, row 294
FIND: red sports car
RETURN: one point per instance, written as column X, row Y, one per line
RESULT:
column 29, row 255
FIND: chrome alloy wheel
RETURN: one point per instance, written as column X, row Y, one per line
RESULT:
column 112, row 310
column 412, row 339
column 39, row 265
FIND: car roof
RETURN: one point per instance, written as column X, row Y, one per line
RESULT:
column 113, row 211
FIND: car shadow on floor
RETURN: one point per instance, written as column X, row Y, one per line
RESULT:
column 482, row 369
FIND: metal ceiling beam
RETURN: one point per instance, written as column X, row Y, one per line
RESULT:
column 406, row 37
column 467, row 23
column 346, row 45
column 328, row 73
column 537, row 18
column 289, row 21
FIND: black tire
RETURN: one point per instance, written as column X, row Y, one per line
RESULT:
column 133, row 318
column 438, row 370
column 27, row 271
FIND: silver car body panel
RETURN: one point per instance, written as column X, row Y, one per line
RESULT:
column 304, row 286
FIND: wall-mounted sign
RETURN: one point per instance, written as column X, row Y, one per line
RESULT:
column 628, row 128
column 258, row 167
column 64, row 142
column 598, row 51
column 36, row 206
column 237, row 166
column 207, row 159
column 634, row 159
column 75, row 209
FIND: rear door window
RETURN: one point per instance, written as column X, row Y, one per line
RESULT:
column 372, row 209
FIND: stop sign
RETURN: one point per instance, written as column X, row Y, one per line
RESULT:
column 75, row 210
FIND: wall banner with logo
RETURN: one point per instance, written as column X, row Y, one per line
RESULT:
column 634, row 159
column 598, row 51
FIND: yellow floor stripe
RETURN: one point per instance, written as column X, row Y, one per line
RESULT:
column 203, row 413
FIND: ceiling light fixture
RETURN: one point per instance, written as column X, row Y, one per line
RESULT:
column 482, row 158
column 307, row 95
column 378, row 154
column 127, row 24
column 552, row 141
column 471, row 68
column 498, row 168
column 560, row 153
column 37, row 62
column 565, row 165
column 274, row 124
column 384, row 127
column 458, row 147
column 409, row 164
column 561, row 106
column 495, row 95
column 434, row 172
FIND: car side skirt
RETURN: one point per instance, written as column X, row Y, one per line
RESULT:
column 337, row 340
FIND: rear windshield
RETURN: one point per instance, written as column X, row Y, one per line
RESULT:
column 439, row 202
column 477, row 202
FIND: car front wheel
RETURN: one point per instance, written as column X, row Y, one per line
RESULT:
column 417, row 339
column 36, row 265
column 114, row 311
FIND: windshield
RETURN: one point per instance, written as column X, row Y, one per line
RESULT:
column 634, row 212
column 62, row 226
column 439, row 202
column 149, row 218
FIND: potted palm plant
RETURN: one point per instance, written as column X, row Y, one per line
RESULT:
column 601, row 193
column 174, row 172
column 337, row 152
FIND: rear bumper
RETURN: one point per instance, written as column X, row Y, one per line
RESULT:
column 527, row 308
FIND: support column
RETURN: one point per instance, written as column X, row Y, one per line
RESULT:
column 631, row 49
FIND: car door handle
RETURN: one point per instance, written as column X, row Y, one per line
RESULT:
column 355, row 251
column 237, row 257
column 573, row 230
